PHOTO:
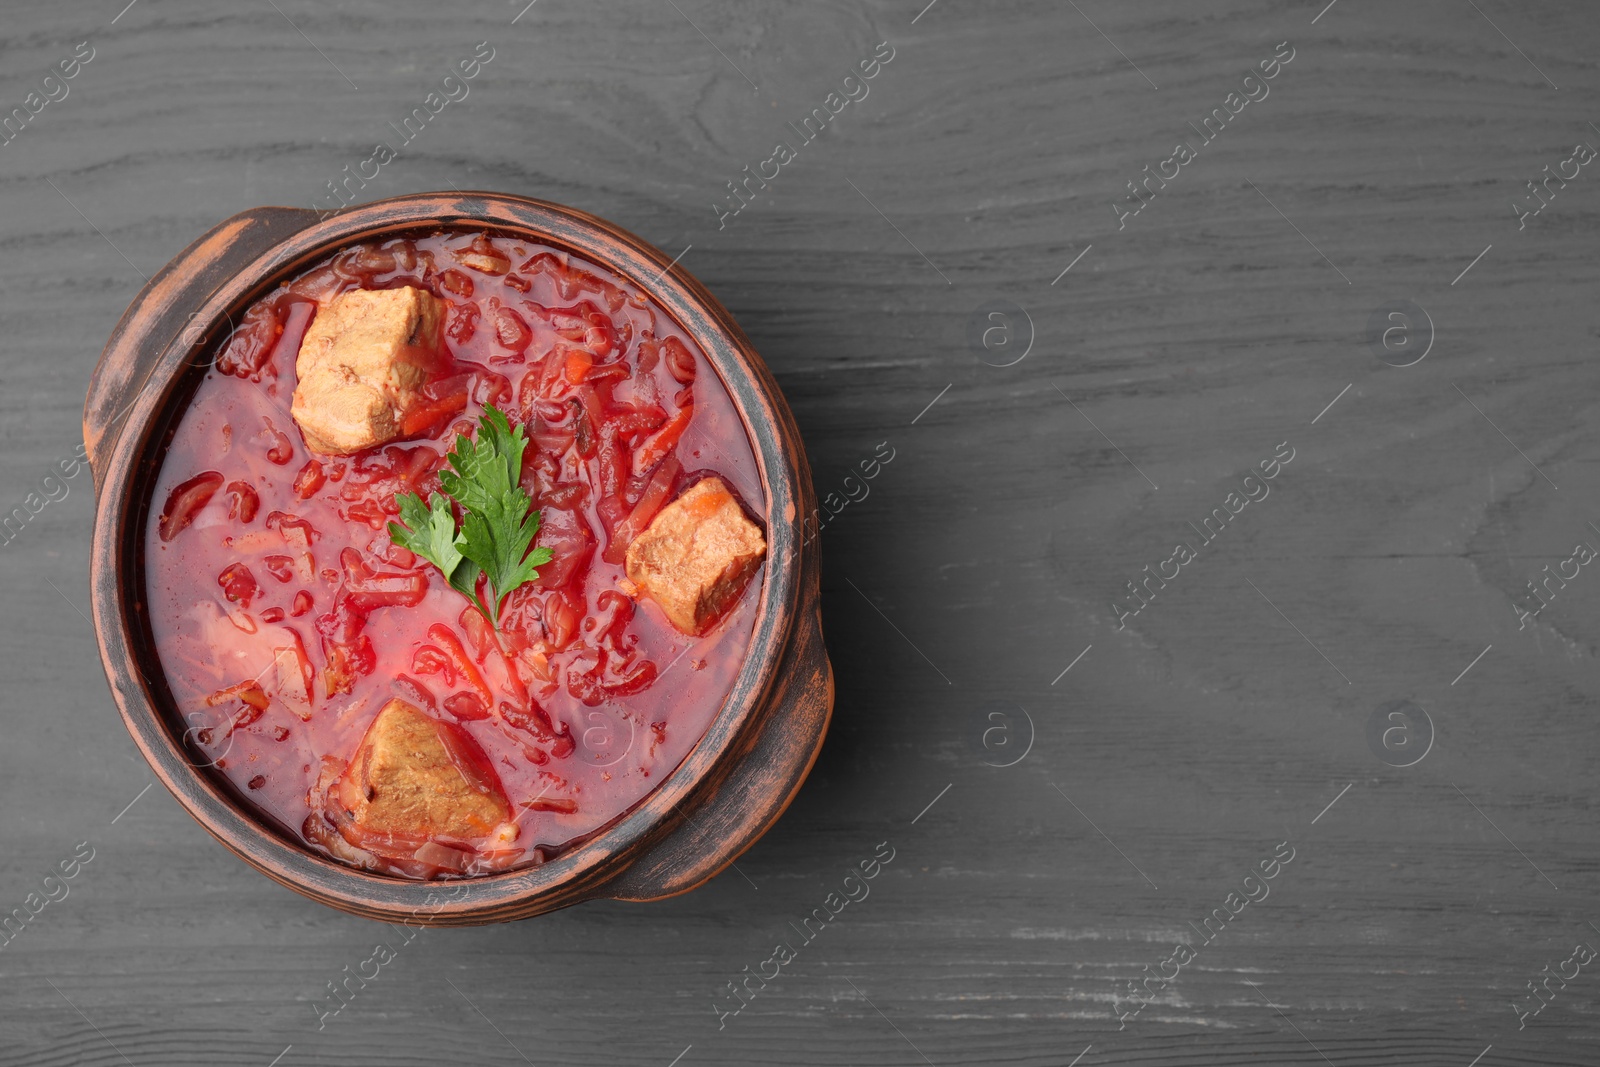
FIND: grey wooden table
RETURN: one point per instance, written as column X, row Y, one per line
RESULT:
column 1345, row 265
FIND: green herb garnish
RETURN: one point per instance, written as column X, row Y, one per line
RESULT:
column 498, row 522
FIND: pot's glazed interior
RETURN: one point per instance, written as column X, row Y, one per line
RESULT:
column 729, row 788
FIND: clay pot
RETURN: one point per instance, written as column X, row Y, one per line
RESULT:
column 730, row 788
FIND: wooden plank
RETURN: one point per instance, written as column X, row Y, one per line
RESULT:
column 1219, row 322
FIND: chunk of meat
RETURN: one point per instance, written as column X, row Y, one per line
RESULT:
column 362, row 365
column 696, row 556
column 416, row 777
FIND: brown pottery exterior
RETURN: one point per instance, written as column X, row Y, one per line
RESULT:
column 730, row 788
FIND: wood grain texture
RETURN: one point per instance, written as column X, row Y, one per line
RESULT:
column 986, row 556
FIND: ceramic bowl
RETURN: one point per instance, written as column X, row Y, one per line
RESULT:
column 725, row 794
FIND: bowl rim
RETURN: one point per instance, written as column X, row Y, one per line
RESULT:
column 581, row 871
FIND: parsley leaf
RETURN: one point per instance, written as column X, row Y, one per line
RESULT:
column 498, row 523
column 433, row 537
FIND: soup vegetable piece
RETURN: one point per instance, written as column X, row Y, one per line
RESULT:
column 454, row 555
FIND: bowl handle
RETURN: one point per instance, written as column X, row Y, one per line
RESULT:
column 770, row 769
column 164, row 312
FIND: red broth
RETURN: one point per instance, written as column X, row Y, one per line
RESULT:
column 284, row 617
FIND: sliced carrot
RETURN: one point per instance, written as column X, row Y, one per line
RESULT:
column 578, row 363
column 447, row 640
column 651, row 501
column 484, row 640
column 431, row 413
column 250, row 692
column 663, row 440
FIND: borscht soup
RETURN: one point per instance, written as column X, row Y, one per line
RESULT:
column 454, row 554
